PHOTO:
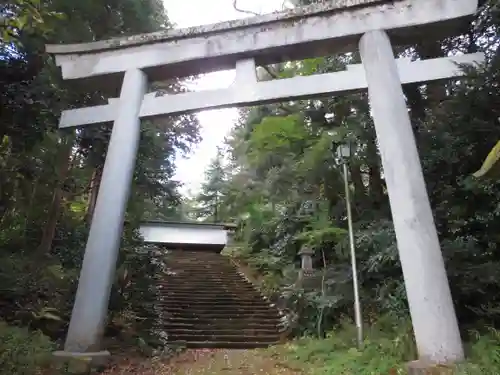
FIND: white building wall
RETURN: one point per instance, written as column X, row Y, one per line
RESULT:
column 192, row 235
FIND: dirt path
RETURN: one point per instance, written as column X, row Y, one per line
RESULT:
column 208, row 362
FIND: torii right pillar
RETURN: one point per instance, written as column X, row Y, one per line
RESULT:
column 432, row 311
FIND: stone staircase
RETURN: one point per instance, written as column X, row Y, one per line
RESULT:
column 204, row 302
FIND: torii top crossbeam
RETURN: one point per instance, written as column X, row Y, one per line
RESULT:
column 315, row 30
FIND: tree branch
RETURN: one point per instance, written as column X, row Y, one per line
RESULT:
column 235, row 6
column 270, row 72
column 268, row 69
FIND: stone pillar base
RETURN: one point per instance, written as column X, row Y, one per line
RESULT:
column 81, row 363
column 427, row 368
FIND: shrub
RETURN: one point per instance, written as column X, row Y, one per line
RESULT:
column 484, row 355
column 388, row 346
column 23, row 352
column 385, row 349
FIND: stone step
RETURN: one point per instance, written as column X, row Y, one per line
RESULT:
column 199, row 277
column 206, row 266
column 229, row 315
column 200, row 274
column 172, row 301
column 204, row 274
column 199, row 264
column 197, row 290
column 210, row 294
column 242, row 298
column 192, row 280
column 184, row 269
column 213, row 294
column 204, row 298
column 224, row 344
column 194, row 255
column 172, row 319
column 205, row 289
column 205, row 278
column 213, row 270
column 222, row 332
column 222, row 309
column 205, row 263
column 204, row 302
column 234, row 290
column 200, row 300
column 179, row 269
column 224, row 338
column 206, row 283
column 234, row 330
column 196, row 303
column 220, row 326
column 208, row 304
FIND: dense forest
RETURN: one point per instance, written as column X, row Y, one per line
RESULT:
column 50, row 178
column 276, row 177
column 280, row 180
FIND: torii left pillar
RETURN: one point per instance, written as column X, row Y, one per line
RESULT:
column 88, row 320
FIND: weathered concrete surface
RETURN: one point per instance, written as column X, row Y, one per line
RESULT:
column 246, row 91
column 431, row 306
column 427, row 368
column 306, row 254
column 189, row 32
column 90, row 309
column 271, row 39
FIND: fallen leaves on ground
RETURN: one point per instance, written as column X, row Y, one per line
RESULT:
column 206, row 362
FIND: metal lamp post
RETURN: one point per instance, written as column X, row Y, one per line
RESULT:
column 344, row 153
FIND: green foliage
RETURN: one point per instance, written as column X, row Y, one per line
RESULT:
column 484, row 355
column 275, row 136
column 49, row 179
column 32, row 17
column 23, row 352
column 285, row 189
column 319, row 236
column 209, row 206
column 388, row 346
column 34, row 296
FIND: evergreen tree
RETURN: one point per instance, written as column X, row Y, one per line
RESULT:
column 210, row 205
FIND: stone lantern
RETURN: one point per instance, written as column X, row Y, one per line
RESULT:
column 306, row 259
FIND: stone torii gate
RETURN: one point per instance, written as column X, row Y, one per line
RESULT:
column 127, row 65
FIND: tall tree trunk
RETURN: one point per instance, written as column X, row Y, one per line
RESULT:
column 436, row 91
column 29, row 210
column 95, row 183
column 376, row 185
column 64, row 162
column 430, row 49
column 216, row 208
column 417, row 104
column 359, row 188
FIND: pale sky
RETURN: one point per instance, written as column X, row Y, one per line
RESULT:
column 215, row 124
